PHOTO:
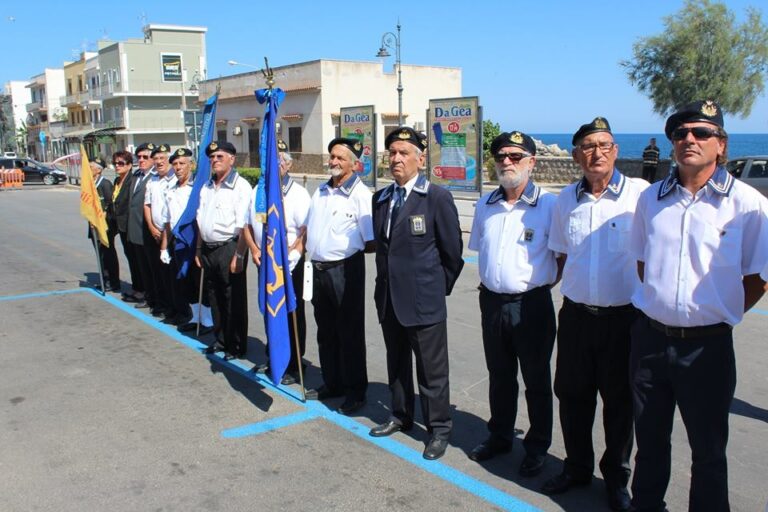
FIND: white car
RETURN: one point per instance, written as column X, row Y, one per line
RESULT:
column 9, row 154
column 752, row 170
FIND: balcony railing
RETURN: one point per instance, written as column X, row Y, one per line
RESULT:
column 140, row 87
column 36, row 105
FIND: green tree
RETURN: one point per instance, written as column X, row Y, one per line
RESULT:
column 702, row 54
column 491, row 130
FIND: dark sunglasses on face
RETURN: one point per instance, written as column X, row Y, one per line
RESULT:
column 144, row 157
column 120, row 162
column 699, row 133
column 513, row 157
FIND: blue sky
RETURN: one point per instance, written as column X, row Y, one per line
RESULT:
column 540, row 67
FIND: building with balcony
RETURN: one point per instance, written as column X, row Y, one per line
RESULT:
column 15, row 98
column 81, row 108
column 45, row 115
column 315, row 91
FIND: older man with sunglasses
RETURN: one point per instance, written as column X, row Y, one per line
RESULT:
column 700, row 239
column 590, row 228
column 510, row 231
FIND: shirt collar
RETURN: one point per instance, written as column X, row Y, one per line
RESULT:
column 615, row 185
column 721, row 182
column 287, row 183
column 420, row 186
column 345, row 188
column 229, row 182
column 98, row 181
column 529, row 196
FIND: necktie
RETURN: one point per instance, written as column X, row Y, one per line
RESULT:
column 399, row 200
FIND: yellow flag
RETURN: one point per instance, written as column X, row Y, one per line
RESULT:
column 90, row 204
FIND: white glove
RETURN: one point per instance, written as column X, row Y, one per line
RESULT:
column 165, row 257
column 293, row 258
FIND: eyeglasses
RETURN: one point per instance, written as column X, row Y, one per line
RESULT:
column 119, row 162
column 513, row 157
column 217, row 157
column 144, row 157
column 699, row 133
column 588, row 149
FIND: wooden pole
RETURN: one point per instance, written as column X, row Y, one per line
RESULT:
column 96, row 243
column 200, row 300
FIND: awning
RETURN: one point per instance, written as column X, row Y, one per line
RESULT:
column 104, row 132
column 77, row 134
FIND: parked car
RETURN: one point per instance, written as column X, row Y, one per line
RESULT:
column 34, row 172
column 752, row 170
column 9, row 154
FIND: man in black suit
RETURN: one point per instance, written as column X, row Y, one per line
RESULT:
column 110, row 268
column 418, row 259
column 136, row 225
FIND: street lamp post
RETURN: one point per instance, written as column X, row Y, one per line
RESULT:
column 387, row 40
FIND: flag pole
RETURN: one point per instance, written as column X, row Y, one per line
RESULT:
column 200, row 301
column 298, row 353
column 98, row 258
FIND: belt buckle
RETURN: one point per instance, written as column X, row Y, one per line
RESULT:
column 592, row 309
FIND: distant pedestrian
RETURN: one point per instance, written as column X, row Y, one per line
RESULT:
column 650, row 161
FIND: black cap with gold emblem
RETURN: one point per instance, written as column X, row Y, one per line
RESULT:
column 161, row 148
column 282, row 146
column 147, row 146
column 407, row 134
column 98, row 161
column 598, row 124
column 354, row 145
column 706, row 111
column 225, row 146
column 180, row 152
column 513, row 139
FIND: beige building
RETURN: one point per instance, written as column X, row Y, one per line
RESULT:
column 45, row 115
column 315, row 91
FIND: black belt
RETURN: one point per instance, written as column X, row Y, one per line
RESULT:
column 510, row 296
column 699, row 331
column 325, row 265
column 601, row 310
column 216, row 245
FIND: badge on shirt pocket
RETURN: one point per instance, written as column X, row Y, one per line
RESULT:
column 418, row 225
column 528, row 235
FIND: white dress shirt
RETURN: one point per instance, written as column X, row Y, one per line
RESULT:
column 696, row 248
column 594, row 233
column 340, row 221
column 176, row 201
column 223, row 209
column 512, row 240
column 157, row 188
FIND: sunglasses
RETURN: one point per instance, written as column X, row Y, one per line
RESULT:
column 699, row 133
column 217, row 157
column 120, row 162
column 513, row 157
column 144, row 157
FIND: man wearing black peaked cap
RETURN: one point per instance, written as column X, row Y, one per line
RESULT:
column 418, row 260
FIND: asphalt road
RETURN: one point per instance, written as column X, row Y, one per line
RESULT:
column 104, row 408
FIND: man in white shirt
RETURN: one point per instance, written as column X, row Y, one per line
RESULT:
column 700, row 238
column 339, row 231
column 510, row 232
column 185, row 291
column 221, row 216
column 590, row 230
column 154, row 217
column 296, row 201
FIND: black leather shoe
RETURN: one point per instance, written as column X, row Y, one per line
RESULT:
column 289, row 378
column 130, row 298
column 489, row 448
column 389, row 428
column 142, row 304
column 531, row 465
column 187, row 327
column 618, row 499
column 322, row 393
column 213, row 349
column 562, row 482
column 350, row 406
column 261, row 368
column 435, row 448
column 205, row 329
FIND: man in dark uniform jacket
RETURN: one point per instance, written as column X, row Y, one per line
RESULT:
column 418, row 259
column 110, row 268
column 650, row 160
column 136, row 225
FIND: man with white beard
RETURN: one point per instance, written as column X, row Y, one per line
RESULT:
column 510, row 232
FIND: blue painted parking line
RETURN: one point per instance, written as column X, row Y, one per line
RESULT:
column 46, row 294
column 758, row 311
column 315, row 409
column 470, row 259
column 268, row 425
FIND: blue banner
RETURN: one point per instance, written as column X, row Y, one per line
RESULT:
column 185, row 229
column 276, row 295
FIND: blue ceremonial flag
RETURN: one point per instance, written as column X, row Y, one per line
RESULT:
column 276, row 295
column 185, row 230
